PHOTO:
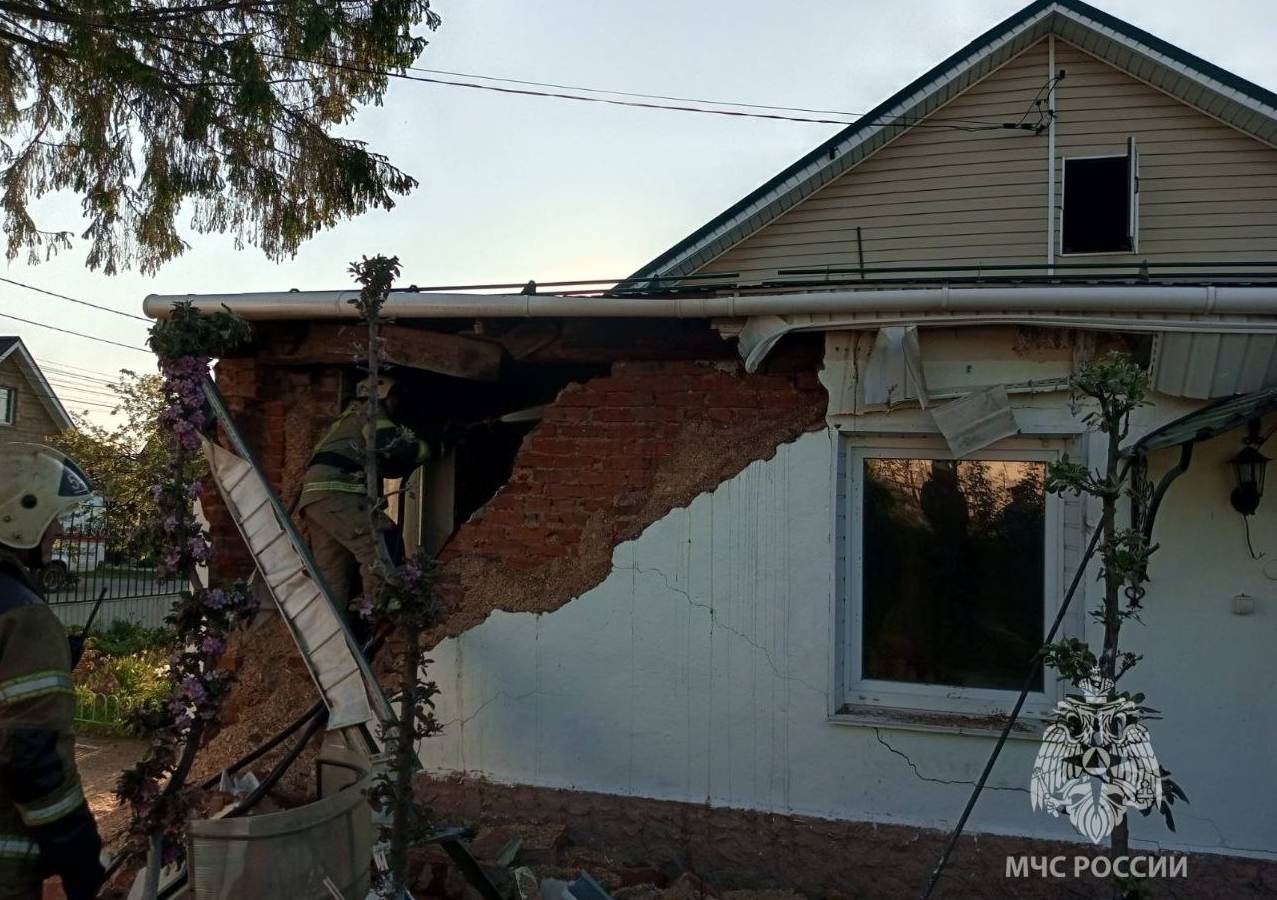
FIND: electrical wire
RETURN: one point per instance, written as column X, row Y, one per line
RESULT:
column 75, row 379
column 560, row 95
column 74, row 333
column 1036, row 103
column 70, row 401
column 853, row 116
column 590, row 90
column 97, row 380
column 81, row 389
column 1249, row 546
column 39, row 290
column 81, row 369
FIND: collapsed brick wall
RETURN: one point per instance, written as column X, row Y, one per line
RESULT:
column 611, row 456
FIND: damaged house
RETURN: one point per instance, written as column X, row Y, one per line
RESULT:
column 732, row 577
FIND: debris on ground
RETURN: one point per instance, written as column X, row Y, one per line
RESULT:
column 537, row 861
column 266, row 695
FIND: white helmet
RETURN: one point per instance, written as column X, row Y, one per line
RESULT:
column 382, row 384
column 37, row 484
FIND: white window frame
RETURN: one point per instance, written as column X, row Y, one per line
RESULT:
column 11, row 410
column 859, row 693
column 1133, row 193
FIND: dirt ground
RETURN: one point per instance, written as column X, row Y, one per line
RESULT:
column 100, row 761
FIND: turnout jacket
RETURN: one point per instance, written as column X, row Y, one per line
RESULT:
column 337, row 465
column 45, row 825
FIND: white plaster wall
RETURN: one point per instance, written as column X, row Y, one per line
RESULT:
column 699, row 671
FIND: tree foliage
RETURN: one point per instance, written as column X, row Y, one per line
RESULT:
column 223, row 110
column 126, row 461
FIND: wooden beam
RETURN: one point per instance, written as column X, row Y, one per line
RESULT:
column 526, row 338
column 415, row 348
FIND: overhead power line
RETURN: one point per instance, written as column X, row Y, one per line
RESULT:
column 70, row 387
column 79, row 334
column 959, row 125
column 74, row 402
column 594, row 97
column 39, row 290
column 70, row 366
column 589, row 90
column 851, row 117
column 75, row 378
column 108, row 381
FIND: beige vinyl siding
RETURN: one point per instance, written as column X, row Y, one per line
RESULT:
column 33, row 420
column 1207, row 191
column 937, row 196
column 932, row 195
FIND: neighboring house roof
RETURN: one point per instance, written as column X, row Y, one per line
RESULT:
column 1196, row 82
column 13, row 345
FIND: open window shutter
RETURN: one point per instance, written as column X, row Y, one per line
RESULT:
column 1133, row 193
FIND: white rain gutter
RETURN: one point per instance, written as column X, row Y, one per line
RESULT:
column 1205, row 300
column 771, row 316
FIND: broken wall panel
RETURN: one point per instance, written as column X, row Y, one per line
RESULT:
column 611, row 456
column 703, row 669
column 615, row 451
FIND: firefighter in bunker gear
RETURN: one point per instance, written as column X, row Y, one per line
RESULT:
column 46, row 827
column 334, row 501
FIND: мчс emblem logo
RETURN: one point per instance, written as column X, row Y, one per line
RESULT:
column 1097, row 760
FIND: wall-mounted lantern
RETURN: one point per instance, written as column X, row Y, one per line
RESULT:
column 1249, row 467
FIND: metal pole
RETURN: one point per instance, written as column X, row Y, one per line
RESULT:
column 93, row 613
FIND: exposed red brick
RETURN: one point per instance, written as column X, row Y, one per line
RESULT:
column 611, row 456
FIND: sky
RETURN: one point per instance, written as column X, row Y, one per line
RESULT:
column 513, row 188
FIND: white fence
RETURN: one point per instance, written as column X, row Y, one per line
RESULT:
column 148, row 611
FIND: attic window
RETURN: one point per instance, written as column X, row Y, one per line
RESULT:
column 1101, row 203
column 7, row 405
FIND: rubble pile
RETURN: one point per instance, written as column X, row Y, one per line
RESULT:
column 530, row 861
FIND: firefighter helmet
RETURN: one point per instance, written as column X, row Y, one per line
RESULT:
column 37, row 484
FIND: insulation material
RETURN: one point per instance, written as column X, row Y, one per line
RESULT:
column 894, row 373
column 976, row 421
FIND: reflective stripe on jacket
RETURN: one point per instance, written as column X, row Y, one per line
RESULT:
column 337, row 463
column 43, row 815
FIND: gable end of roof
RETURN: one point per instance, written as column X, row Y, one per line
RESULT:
column 10, row 346
column 1215, row 91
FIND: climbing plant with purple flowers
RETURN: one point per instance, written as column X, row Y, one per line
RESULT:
column 203, row 617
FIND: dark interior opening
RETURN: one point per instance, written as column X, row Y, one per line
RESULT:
column 468, row 416
column 1097, row 205
column 485, row 460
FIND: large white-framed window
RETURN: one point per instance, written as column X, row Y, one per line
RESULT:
column 952, row 574
column 8, row 405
